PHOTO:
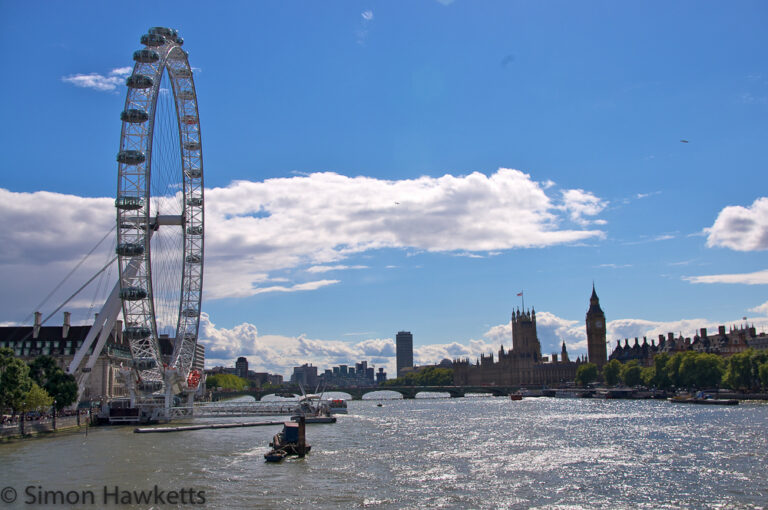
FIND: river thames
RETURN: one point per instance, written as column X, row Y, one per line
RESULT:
column 476, row 452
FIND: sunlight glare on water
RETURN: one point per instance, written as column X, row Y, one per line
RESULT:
column 439, row 453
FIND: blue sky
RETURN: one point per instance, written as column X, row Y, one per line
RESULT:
column 378, row 166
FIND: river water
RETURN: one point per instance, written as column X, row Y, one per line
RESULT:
column 450, row 453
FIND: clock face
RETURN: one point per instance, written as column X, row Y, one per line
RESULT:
column 598, row 324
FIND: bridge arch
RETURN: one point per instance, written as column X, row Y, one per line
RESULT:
column 376, row 394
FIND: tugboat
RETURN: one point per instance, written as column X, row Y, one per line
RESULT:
column 290, row 441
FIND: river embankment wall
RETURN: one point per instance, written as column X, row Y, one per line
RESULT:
column 12, row 430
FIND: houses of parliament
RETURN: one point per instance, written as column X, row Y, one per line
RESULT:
column 523, row 364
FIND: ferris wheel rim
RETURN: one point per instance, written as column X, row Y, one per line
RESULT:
column 162, row 56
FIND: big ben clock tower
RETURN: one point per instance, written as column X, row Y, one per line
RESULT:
column 596, row 331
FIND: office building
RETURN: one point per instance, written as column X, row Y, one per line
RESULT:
column 404, row 347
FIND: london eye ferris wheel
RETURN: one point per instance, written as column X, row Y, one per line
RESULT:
column 160, row 215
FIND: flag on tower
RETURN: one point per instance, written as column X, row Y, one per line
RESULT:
column 520, row 294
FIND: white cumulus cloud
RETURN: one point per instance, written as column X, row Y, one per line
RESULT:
column 99, row 82
column 580, row 204
column 322, row 218
column 761, row 309
column 741, row 228
column 279, row 354
column 266, row 237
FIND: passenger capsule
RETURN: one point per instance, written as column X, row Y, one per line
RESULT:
column 144, row 363
column 139, row 81
column 134, row 116
column 186, row 95
column 195, row 230
column 152, row 40
column 182, row 73
column 190, row 312
column 129, row 203
column 164, row 31
column 179, row 40
column 195, row 202
column 189, row 119
column 193, row 259
column 130, row 249
column 149, row 386
column 192, row 146
column 136, row 332
column 132, row 293
column 146, row 56
column 131, row 157
column 194, row 173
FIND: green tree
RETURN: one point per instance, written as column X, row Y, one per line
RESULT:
column 57, row 383
column 586, row 373
column 762, row 372
column 41, row 368
column 631, row 373
column 757, row 360
column 661, row 377
column 37, row 400
column 742, row 370
column 672, row 369
column 648, row 376
column 6, row 355
column 611, row 371
column 738, row 371
column 708, row 370
column 15, row 382
column 428, row 376
column 692, row 369
column 226, row 381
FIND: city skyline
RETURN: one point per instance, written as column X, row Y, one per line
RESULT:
column 365, row 176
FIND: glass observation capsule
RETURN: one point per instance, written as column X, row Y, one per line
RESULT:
column 132, row 293
column 134, row 116
column 129, row 203
column 146, row 56
column 139, row 81
column 131, row 157
column 136, row 332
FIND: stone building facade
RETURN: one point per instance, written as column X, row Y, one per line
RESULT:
column 522, row 365
column 724, row 343
column 62, row 342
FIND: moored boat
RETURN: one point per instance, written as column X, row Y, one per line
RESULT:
column 704, row 401
column 337, row 406
column 312, row 406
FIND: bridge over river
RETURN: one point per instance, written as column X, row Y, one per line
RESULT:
column 359, row 393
